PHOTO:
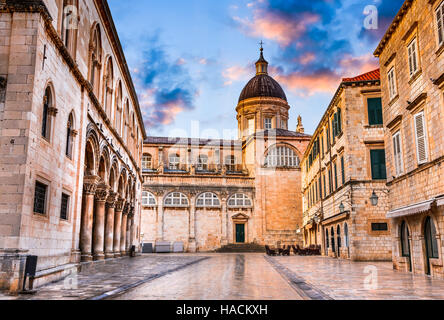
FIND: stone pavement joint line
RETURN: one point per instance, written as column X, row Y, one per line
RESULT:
column 128, row 287
column 305, row 290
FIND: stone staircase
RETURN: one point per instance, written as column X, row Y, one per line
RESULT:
column 241, row 248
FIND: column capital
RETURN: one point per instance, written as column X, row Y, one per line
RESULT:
column 126, row 208
column 101, row 193
column 111, row 200
column 120, row 203
column 90, row 184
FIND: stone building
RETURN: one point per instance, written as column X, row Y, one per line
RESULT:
column 343, row 168
column 412, row 74
column 212, row 193
column 71, row 136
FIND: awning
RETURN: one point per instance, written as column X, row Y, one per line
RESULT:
column 440, row 201
column 411, row 210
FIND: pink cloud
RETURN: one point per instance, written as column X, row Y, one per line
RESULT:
column 310, row 84
column 235, row 73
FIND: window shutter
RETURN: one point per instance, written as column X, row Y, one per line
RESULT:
column 439, row 23
column 421, row 141
column 415, row 55
column 410, row 60
column 378, row 164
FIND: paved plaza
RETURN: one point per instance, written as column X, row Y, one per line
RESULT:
column 252, row 276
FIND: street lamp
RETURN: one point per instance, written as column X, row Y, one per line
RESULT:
column 341, row 208
column 374, row 199
column 317, row 219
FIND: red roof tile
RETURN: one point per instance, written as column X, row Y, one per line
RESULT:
column 369, row 76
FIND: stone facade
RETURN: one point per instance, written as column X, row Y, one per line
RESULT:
column 338, row 179
column 412, row 51
column 71, row 137
column 244, row 177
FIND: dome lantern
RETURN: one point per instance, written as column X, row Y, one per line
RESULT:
column 261, row 64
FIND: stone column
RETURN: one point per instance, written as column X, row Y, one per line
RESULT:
column 123, row 230
column 99, row 222
column 224, row 229
column 159, row 216
column 192, row 224
column 109, row 225
column 86, row 224
column 120, row 203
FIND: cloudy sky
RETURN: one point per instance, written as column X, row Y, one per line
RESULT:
column 190, row 59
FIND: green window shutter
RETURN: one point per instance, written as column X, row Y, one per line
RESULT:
column 342, row 170
column 339, row 121
column 378, row 164
column 374, row 111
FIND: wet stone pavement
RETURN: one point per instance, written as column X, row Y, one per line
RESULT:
column 222, row 277
column 251, row 276
column 347, row 280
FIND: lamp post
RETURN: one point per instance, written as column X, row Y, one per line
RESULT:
column 341, row 208
column 374, row 199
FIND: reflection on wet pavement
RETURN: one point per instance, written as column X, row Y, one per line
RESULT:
column 222, row 277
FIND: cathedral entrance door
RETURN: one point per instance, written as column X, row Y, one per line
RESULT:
column 240, row 233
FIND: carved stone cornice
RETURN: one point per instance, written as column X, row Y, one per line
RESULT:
column 111, row 200
column 120, row 203
column 90, row 184
column 101, row 193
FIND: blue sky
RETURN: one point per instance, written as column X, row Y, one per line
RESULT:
column 190, row 59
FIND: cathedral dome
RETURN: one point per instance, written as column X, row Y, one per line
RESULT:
column 262, row 85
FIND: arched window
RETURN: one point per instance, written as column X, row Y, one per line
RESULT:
column 281, row 157
column 118, row 108
column 95, row 59
column 69, row 24
column 147, row 161
column 346, row 240
column 202, row 163
column 208, row 199
column 148, row 199
column 332, row 239
column 405, row 245
column 108, row 89
column 126, row 121
column 327, row 240
column 430, row 239
column 176, row 199
column 70, row 133
column 239, row 200
column 174, row 161
column 46, row 116
column 338, row 234
column 230, row 163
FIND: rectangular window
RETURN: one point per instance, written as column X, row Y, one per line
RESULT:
column 283, row 124
column 397, row 152
column 325, row 187
column 392, row 83
column 421, row 138
column 336, row 176
column 413, row 57
column 174, row 162
column 251, row 128
column 379, row 227
column 267, row 124
column 330, row 181
column 320, row 187
column 378, row 164
column 342, row 170
column 439, row 23
column 374, row 106
column 322, row 144
column 64, row 207
column 40, row 198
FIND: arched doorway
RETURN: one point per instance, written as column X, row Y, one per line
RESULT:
column 332, row 240
column 405, row 243
column 338, row 234
column 327, row 242
column 431, row 244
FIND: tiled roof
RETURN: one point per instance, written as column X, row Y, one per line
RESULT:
column 191, row 141
column 369, row 76
column 282, row 133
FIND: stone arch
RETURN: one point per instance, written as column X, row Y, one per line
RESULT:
column 239, row 200
column 48, row 110
column 203, row 198
column 95, row 57
column 172, row 195
column 290, row 157
column 118, row 107
column 108, row 86
column 70, row 134
column 91, row 152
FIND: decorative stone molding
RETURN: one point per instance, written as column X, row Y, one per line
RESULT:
column 90, row 184
column 120, row 203
column 101, row 193
column 53, row 111
column 126, row 208
column 111, row 200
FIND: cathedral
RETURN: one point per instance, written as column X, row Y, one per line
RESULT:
column 213, row 194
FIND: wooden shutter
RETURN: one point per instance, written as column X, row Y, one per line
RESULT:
column 421, row 139
column 378, row 164
column 397, row 153
column 410, row 49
